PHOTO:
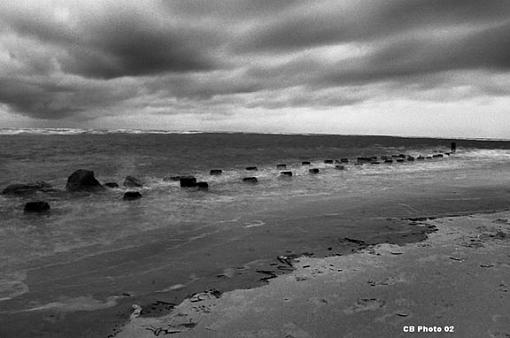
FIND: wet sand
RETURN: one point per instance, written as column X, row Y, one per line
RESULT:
column 93, row 296
column 458, row 280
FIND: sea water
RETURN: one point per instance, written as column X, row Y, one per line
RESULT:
column 81, row 225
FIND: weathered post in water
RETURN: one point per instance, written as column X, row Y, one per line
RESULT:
column 453, row 147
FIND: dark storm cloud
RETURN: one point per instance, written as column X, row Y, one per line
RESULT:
column 120, row 43
column 65, row 58
column 49, row 99
column 332, row 22
column 415, row 57
column 35, row 99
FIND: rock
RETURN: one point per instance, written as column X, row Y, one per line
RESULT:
column 453, row 147
column 131, row 195
column 410, row 158
column 344, row 160
column 375, row 162
column 37, row 206
column 328, row 161
column 281, row 166
column 251, row 168
column 187, row 181
column 388, row 161
column 83, row 180
column 429, row 157
column 339, row 167
column 132, row 182
column 420, row 158
column 305, row 163
column 400, row 160
column 203, row 186
column 215, row 172
column 250, row 179
column 28, row 188
column 313, row 171
column 437, row 155
column 286, row 173
column 111, row 185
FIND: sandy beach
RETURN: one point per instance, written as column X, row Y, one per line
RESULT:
column 455, row 283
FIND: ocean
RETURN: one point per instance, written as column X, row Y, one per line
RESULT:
column 184, row 237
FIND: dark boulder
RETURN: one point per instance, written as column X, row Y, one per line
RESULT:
column 37, row 206
column 203, row 186
column 132, row 182
column 400, row 160
column 111, row 185
column 187, row 181
column 305, row 163
column 250, row 179
column 131, row 195
column 28, row 188
column 429, row 157
column 83, row 180
column 375, row 162
column 286, row 173
column 313, row 171
column 388, row 161
column 344, row 160
column 410, row 158
column 215, row 172
column 281, row 166
column 438, row 156
column 420, row 158
column 328, row 161
column 339, row 167
column 453, row 147
column 251, row 168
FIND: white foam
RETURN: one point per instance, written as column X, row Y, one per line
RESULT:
column 83, row 303
column 78, row 131
column 10, row 289
column 254, row 223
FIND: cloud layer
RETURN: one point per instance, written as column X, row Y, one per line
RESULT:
column 88, row 60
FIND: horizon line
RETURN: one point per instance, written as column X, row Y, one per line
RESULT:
column 98, row 131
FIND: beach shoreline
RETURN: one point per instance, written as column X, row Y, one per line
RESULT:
column 74, row 301
column 456, row 280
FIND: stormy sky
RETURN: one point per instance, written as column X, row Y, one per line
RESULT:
column 398, row 67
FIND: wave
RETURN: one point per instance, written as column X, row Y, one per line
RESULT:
column 91, row 131
column 78, row 131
